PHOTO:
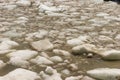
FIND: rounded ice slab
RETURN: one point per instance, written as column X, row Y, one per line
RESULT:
column 85, row 48
column 111, row 55
column 39, row 60
column 105, row 74
column 19, row 58
column 42, row 45
column 61, row 52
column 23, row 54
column 20, row 74
column 8, row 44
column 78, row 41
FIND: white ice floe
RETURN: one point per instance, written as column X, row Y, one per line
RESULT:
column 105, row 73
column 40, row 34
column 102, row 14
column 21, row 20
column 77, row 41
column 20, row 57
column 8, row 44
column 56, row 59
column 65, row 72
column 74, row 78
column 112, row 18
column 50, row 74
column 111, row 55
column 98, row 1
column 13, row 33
column 10, row 7
column 39, row 60
column 6, row 51
column 19, row 62
column 73, row 67
column 23, row 54
column 43, row 8
column 99, row 22
column 117, row 37
column 61, row 52
column 44, row 54
column 105, row 39
column 42, row 45
column 85, row 48
column 52, row 14
column 20, row 74
column 24, row 3
column 87, row 78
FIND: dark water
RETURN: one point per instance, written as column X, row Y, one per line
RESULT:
column 92, row 63
column 6, row 69
column 117, row 1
